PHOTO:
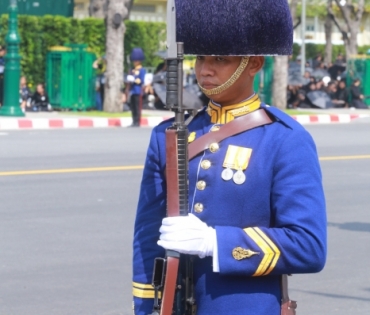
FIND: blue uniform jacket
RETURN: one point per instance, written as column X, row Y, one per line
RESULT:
column 139, row 74
column 278, row 212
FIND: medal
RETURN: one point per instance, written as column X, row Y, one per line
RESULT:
column 239, row 177
column 237, row 158
column 227, row 174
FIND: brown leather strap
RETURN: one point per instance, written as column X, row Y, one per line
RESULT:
column 169, row 289
column 172, row 173
column 288, row 306
column 241, row 124
column 284, row 288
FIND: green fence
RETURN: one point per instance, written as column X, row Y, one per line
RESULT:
column 41, row 7
column 263, row 81
column 70, row 77
column 359, row 68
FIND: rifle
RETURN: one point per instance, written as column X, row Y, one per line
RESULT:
column 177, row 296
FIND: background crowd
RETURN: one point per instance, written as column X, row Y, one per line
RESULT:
column 323, row 86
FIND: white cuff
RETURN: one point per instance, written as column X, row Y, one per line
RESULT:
column 216, row 266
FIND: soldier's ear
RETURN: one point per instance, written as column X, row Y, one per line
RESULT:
column 255, row 64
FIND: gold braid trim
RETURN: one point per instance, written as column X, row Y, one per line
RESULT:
column 217, row 90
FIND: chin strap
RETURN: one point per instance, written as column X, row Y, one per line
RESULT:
column 243, row 64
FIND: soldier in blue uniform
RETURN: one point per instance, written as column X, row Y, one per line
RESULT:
column 136, row 80
column 256, row 201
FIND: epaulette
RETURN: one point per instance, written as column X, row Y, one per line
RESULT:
column 282, row 117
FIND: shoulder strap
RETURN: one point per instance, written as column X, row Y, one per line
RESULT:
column 239, row 125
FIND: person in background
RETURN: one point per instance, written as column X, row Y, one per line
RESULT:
column 331, row 89
column 2, row 70
column 341, row 97
column 40, row 99
column 310, row 86
column 293, row 99
column 24, row 94
column 136, row 81
column 317, row 62
column 356, row 95
column 320, row 86
column 149, row 90
column 340, row 60
column 100, row 65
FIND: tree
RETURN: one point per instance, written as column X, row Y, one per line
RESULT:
column 328, row 31
column 280, row 81
column 114, row 12
column 117, row 12
column 98, row 8
column 293, row 11
column 352, row 13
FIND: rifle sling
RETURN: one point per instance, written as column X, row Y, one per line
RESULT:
column 239, row 125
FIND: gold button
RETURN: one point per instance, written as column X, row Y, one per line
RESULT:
column 215, row 128
column 214, row 147
column 206, row 164
column 192, row 137
column 198, row 208
column 201, row 185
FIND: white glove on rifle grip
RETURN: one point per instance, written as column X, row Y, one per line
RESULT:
column 188, row 235
column 130, row 78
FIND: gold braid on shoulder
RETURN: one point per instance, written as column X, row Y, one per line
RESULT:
column 243, row 64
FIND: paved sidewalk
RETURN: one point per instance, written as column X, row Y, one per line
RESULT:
column 52, row 120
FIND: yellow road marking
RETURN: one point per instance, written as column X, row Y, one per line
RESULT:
column 140, row 167
column 73, row 170
column 348, row 157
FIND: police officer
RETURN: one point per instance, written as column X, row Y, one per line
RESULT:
column 136, row 81
column 256, row 201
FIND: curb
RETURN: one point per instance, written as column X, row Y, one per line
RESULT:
column 327, row 119
column 74, row 123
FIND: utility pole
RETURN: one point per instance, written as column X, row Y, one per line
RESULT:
column 303, row 46
column 11, row 106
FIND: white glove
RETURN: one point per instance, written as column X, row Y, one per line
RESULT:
column 130, row 78
column 187, row 235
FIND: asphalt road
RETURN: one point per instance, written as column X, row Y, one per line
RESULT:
column 65, row 238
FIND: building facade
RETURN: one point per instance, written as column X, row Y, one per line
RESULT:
column 142, row 10
column 155, row 11
column 315, row 33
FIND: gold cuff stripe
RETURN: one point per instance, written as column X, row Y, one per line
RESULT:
column 274, row 248
column 144, row 294
column 144, row 291
column 142, row 285
column 270, row 251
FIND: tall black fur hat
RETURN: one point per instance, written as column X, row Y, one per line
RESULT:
column 234, row 27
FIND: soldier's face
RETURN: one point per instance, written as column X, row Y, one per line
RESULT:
column 213, row 71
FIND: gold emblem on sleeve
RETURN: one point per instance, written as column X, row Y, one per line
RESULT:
column 241, row 253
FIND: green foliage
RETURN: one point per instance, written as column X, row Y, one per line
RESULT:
column 38, row 34
column 312, row 50
column 318, row 8
column 150, row 36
